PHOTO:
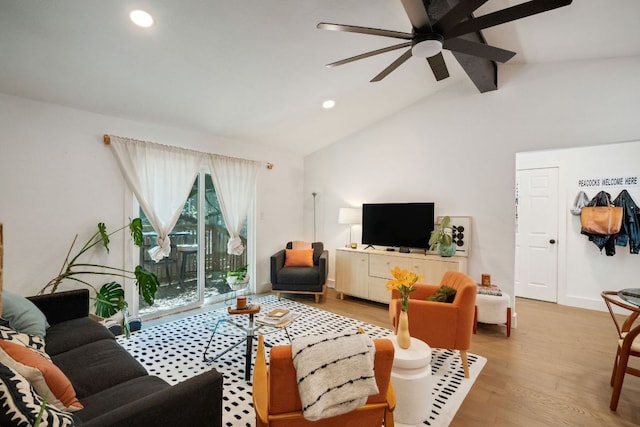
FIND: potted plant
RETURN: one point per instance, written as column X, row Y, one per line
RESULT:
column 238, row 278
column 109, row 298
column 441, row 238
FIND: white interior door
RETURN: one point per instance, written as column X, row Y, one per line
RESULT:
column 536, row 263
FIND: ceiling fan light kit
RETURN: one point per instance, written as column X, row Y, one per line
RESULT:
column 427, row 46
column 427, row 38
column 141, row 18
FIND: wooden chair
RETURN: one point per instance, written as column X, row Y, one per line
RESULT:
column 277, row 402
column 627, row 344
column 440, row 324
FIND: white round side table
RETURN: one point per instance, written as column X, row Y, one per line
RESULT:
column 411, row 376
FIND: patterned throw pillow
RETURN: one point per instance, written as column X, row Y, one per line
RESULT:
column 20, row 404
column 33, row 342
column 45, row 377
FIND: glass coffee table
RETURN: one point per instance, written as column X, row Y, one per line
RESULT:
column 235, row 324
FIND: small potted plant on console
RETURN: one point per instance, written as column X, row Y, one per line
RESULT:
column 441, row 238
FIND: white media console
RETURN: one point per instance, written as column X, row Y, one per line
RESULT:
column 364, row 273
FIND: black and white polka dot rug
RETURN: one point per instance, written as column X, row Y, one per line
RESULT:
column 174, row 351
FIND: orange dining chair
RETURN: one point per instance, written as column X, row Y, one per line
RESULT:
column 276, row 399
column 627, row 344
column 440, row 324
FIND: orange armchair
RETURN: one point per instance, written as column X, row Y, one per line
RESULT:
column 276, row 399
column 439, row 324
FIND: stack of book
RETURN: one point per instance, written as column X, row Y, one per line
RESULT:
column 490, row 290
column 278, row 318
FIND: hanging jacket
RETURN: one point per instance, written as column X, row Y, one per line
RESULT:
column 602, row 241
column 581, row 200
column 630, row 230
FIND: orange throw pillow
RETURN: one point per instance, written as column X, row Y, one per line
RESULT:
column 298, row 258
column 45, row 377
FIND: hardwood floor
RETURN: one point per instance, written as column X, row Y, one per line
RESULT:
column 553, row 370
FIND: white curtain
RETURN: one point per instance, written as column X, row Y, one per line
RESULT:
column 235, row 182
column 161, row 178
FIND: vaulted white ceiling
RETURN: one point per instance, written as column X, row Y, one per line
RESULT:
column 254, row 69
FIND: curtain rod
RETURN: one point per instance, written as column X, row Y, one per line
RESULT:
column 107, row 140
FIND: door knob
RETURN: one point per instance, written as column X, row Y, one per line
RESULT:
column 552, row 241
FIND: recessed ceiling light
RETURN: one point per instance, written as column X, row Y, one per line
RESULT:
column 141, row 18
column 328, row 104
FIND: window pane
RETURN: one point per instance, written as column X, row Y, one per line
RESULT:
column 217, row 261
column 178, row 273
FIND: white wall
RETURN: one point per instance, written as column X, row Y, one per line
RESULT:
column 458, row 149
column 57, row 178
column 586, row 271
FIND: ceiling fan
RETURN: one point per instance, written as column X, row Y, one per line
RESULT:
column 427, row 39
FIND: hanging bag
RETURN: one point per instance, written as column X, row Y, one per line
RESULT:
column 603, row 220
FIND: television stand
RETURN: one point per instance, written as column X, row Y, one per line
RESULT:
column 364, row 274
column 404, row 250
column 369, row 246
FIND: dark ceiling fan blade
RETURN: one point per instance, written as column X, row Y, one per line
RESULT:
column 417, row 14
column 368, row 54
column 458, row 13
column 509, row 14
column 438, row 66
column 478, row 49
column 395, row 64
column 364, row 30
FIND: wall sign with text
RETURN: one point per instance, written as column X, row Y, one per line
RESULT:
column 610, row 181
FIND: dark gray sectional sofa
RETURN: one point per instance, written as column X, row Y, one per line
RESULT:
column 114, row 388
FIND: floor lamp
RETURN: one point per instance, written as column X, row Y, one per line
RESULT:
column 314, row 194
column 350, row 217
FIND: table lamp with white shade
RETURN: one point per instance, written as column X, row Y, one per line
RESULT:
column 350, row 217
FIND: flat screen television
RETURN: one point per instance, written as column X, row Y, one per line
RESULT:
column 404, row 225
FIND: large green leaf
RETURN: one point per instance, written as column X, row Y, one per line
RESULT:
column 445, row 226
column 102, row 229
column 147, row 284
column 446, row 222
column 109, row 299
column 135, row 227
column 435, row 238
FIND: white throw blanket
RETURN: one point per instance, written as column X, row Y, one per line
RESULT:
column 334, row 372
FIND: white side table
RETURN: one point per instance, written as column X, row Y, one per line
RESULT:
column 493, row 309
column 411, row 376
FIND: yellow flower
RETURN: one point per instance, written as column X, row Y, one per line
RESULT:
column 403, row 281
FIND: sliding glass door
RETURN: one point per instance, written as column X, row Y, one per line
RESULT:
column 196, row 270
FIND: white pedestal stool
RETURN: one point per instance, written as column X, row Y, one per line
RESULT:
column 412, row 381
column 494, row 310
